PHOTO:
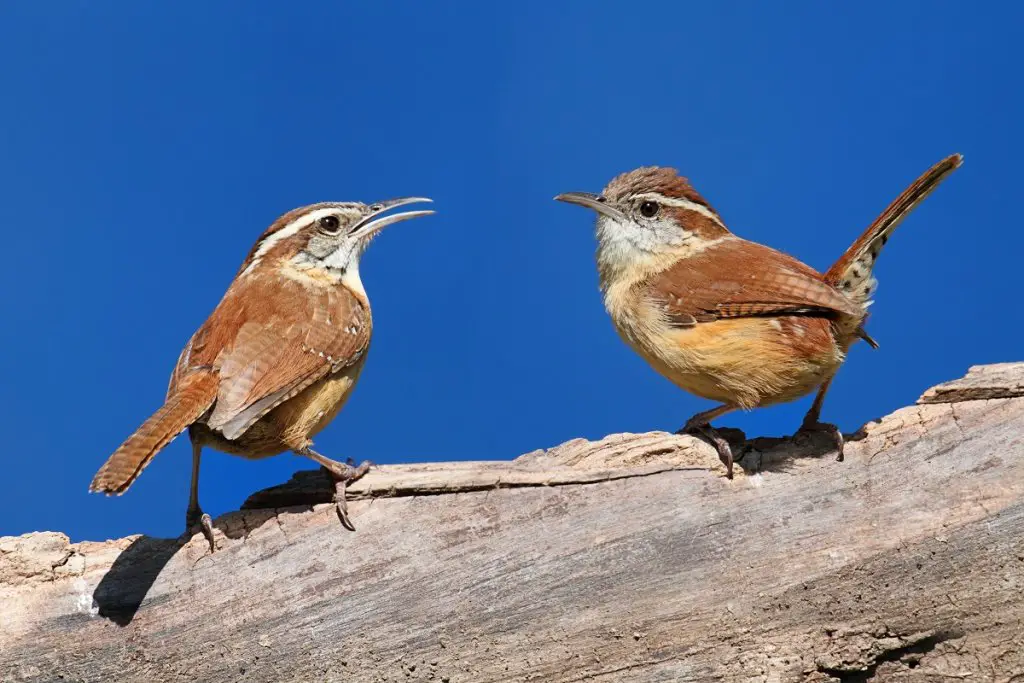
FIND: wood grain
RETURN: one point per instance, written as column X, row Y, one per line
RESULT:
column 628, row 559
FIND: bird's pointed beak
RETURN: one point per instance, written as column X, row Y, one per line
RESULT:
column 592, row 201
column 378, row 218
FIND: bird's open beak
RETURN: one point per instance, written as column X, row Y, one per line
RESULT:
column 376, row 220
column 592, row 201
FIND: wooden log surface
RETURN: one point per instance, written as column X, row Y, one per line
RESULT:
column 627, row 559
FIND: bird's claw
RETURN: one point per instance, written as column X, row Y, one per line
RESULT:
column 342, row 475
column 717, row 440
column 196, row 517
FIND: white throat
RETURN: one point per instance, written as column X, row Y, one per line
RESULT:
column 629, row 251
column 350, row 278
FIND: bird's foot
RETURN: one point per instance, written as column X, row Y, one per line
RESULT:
column 343, row 473
column 195, row 517
column 832, row 430
column 699, row 428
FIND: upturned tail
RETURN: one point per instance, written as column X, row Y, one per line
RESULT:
column 182, row 408
column 852, row 273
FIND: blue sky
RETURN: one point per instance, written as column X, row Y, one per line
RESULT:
column 144, row 148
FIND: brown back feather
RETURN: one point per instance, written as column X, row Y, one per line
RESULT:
column 289, row 340
column 714, row 285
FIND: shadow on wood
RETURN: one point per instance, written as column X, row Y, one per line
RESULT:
column 124, row 586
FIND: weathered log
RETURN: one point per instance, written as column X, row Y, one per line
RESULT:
column 629, row 559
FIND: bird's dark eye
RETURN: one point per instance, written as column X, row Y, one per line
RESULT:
column 329, row 223
column 649, row 209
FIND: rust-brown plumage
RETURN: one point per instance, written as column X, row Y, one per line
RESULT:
column 851, row 274
column 270, row 339
column 655, row 179
column 704, row 288
column 725, row 318
column 183, row 407
column 277, row 358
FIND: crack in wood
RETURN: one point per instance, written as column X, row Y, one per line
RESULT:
column 312, row 487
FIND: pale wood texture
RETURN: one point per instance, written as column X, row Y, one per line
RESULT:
column 629, row 559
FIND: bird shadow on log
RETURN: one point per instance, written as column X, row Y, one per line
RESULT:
column 779, row 454
column 123, row 588
column 305, row 488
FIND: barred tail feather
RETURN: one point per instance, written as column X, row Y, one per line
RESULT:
column 182, row 408
column 852, row 273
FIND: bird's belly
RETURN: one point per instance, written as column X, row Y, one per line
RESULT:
column 745, row 361
column 291, row 425
column 305, row 415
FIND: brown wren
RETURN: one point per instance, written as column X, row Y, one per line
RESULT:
column 725, row 318
column 277, row 358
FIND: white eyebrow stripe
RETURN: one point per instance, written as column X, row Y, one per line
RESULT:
column 682, row 204
column 287, row 231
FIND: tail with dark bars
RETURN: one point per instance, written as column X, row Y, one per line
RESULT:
column 852, row 273
column 181, row 409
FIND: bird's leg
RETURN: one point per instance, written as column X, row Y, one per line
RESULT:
column 700, row 424
column 342, row 473
column 813, row 423
column 194, row 516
